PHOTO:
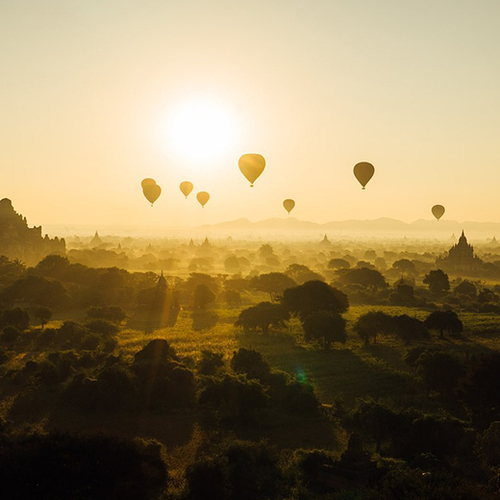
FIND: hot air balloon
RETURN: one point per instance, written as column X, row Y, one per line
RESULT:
column 437, row 211
column 251, row 166
column 203, row 198
column 148, row 182
column 364, row 172
column 186, row 188
column 288, row 204
column 152, row 192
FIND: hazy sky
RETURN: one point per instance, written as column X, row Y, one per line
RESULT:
column 90, row 91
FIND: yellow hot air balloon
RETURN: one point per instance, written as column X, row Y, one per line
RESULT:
column 203, row 198
column 251, row 166
column 186, row 188
column 147, row 182
column 364, row 172
column 288, row 204
column 437, row 211
column 152, row 192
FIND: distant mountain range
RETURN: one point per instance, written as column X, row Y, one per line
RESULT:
column 421, row 228
column 290, row 227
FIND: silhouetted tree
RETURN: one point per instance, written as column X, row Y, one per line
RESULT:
column 250, row 363
column 372, row 324
column 203, row 296
column 262, row 316
column 368, row 278
column 44, row 314
column 338, row 264
column 405, row 266
column 326, row 327
column 444, row 321
column 409, row 329
column 234, row 397
column 302, row 274
column 36, row 290
column 314, row 296
column 272, row 283
column 17, row 317
column 438, row 281
column 466, row 288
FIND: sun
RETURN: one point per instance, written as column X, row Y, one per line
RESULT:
column 201, row 129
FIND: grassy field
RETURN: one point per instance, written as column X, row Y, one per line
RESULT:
column 345, row 372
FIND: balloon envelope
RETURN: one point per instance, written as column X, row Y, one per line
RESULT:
column 152, row 192
column 251, row 166
column 364, row 172
column 437, row 211
column 203, row 198
column 147, row 182
column 186, row 188
column 288, row 204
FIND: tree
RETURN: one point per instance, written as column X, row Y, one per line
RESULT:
column 262, row 316
column 370, row 325
column 10, row 270
column 438, row 282
column 196, row 279
column 444, row 321
column 314, row 296
column 368, row 278
column 376, row 421
column 37, row 290
column 272, row 283
column 233, row 396
column 338, row 264
column 250, row 363
column 44, row 314
column 407, row 328
column 53, row 266
column 405, row 266
column 301, row 274
column 17, row 317
column 203, row 296
column 325, row 326
column 465, row 287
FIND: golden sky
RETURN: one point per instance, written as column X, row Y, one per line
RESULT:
column 95, row 95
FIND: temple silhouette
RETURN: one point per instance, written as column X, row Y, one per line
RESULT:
column 460, row 257
column 18, row 241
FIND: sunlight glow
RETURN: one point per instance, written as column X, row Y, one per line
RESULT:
column 201, row 130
